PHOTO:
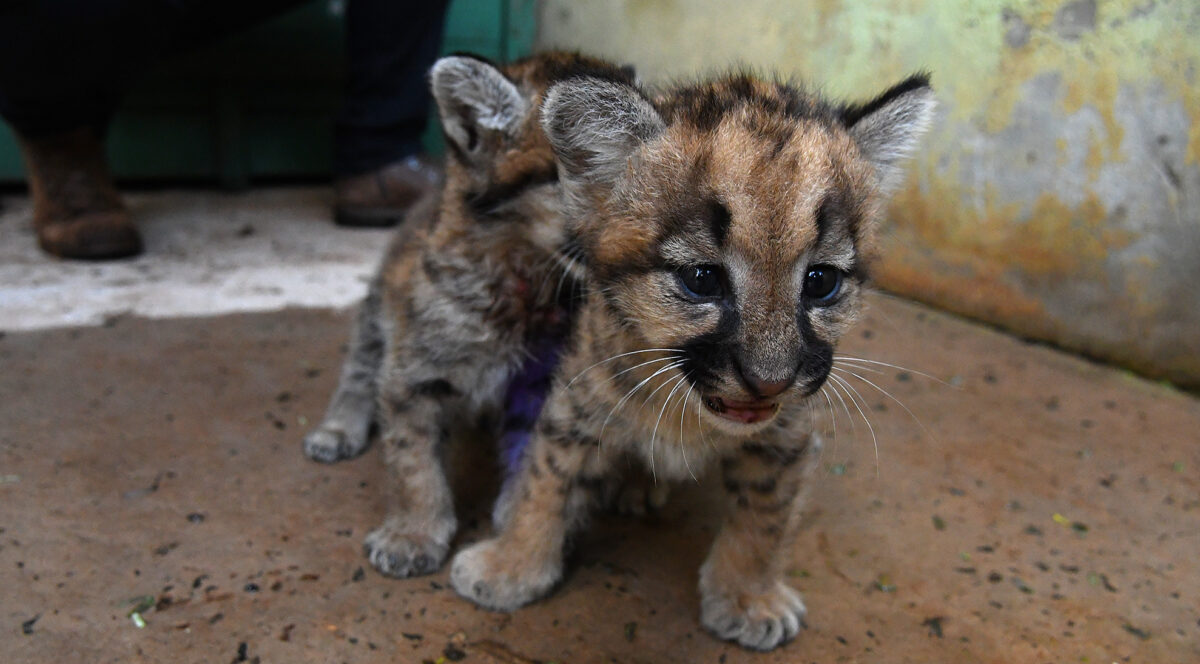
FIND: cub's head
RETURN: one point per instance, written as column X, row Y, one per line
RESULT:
column 731, row 221
column 496, row 149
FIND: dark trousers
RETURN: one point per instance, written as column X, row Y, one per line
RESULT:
column 66, row 64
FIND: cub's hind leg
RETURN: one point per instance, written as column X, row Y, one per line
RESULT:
column 420, row 522
column 346, row 427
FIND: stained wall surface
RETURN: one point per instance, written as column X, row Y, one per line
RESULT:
column 1058, row 195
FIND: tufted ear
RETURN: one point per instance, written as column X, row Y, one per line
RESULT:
column 473, row 98
column 888, row 128
column 595, row 125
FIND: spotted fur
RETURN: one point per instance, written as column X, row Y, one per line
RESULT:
column 478, row 279
column 711, row 219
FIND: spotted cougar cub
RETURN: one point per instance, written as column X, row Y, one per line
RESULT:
column 725, row 228
column 470, row 305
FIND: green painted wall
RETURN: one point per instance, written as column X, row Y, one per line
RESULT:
column 1059, row 193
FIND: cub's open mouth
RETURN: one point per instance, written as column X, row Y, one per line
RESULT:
column 746, row 412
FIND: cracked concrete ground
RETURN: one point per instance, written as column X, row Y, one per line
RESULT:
column 1034, row 508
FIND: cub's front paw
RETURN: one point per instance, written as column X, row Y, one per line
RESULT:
column 400, row 554
column 758, row 621
column 328, row 445
column 502, row 578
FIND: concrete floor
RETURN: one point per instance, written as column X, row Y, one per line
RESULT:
column 1044, row 509
column 206, row 253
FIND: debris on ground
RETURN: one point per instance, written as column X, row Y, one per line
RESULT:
column 934, row 624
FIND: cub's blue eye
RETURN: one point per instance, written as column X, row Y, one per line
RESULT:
column 822, row 283
column 701, row 280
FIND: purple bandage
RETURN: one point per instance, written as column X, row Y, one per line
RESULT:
column 525, row 397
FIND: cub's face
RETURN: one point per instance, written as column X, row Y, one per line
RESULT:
column 730, row 222
column 748, row 259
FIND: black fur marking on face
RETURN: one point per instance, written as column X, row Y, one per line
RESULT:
column 835, row 213
column 852, row 113
column 704, row 357
column 827, row 215
column 707, row 355
column 782, row 138
column 705, row 106
column 632, row 267
column 484, row 203
column 691, row 217
column 718, row 221
column 816, row 358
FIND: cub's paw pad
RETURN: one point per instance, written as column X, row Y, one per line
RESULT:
column 759, row 622
column 402, row 555
column 501, row 580
column 329, row 445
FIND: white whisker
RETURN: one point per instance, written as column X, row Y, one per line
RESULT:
column 633, row 368
column 565, row 273
column 655, row 391
column 852, row 392
column 631, row 392
column 700, row 425
column 617, row 357
column 889, row 395
column 862, row 368
column 832, row 415
column 848, row 359
column 682, row 446
column 837, row 393
column 678, row 381
column 546, row 266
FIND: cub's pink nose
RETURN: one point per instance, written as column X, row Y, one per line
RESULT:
column 767, row 388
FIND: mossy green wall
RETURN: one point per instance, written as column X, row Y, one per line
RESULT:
column 1058, row 194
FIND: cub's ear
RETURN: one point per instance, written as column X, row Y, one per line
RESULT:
column 473, row 97
column 595, row 125
column 887, row 128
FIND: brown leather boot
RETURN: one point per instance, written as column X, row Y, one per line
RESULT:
column 380, row 198
column 77, row 211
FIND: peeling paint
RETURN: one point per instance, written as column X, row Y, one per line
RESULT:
column 1016, row 30
column 1053, row 241
column 1074, row 19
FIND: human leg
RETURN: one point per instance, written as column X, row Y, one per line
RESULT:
column 390, row 47
column 64, row 67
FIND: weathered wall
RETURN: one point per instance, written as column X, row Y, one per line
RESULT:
column 1059, row 193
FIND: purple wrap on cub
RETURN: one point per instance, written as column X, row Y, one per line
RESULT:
column 525, row 397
